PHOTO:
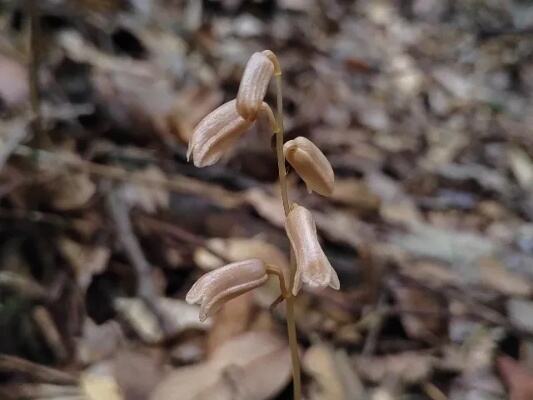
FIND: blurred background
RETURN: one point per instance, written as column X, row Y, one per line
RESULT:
column 423, row 107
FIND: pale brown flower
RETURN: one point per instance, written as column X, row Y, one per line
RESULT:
column 310, row 164
column 254, row 84
column 312, row 266
column 215, row 134
column 222, row 284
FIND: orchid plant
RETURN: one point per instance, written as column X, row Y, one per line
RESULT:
column 214, row 136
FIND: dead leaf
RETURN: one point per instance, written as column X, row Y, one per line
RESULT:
column 252, row 366
column 343, row 227
column 408, row 367
column 71, row 190
column 237, row 249
column 522, row 167
column 497, row 277
column 84, row 260
column 458, row 248
column 521, row 313
column 230, row 321
column 431, row 272
column 356, row 194
column 267, row 206
column 177, row 316
column 98, row 341
column 148, row 199
column 137, row 372
column 418, row 326
column 14, row 90
column 335, row 379
column 396, row 206
column 99, row 383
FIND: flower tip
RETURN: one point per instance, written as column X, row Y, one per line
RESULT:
column 189, row 150
column 193, row 295
column 334, row 283
column 202, row 316
column 201, row 163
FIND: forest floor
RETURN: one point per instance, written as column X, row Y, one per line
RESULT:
column 424, row 109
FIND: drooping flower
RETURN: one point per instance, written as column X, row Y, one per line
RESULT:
column 218, row 131
column 216, row 287
column 312, row 266
column 310, row 164
column 254, row 84
column 215, row 134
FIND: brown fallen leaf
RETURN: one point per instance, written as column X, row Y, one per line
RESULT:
column 397, row 207
column 424, row 326
column 84, row 260
column 407, row 367
column 334, row 376
column 14, row 90
column 99, row 383
column 230, row 321
column 267, row 206
column 17, row 391
column 343, row 226
column 252, row 366
column 355, row 193
column 497, row 277
column 148, row 199
column 521, row 313
column 177, row 316
column 71, row 190
column 522, row 166
column 98, row 341
column 237, row 249
column 137, row 372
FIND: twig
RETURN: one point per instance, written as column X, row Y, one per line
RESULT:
column 372, row 337
column 17, row 391
column 33, row 216
column 26, row 286
column 33, row 68
column 48, row 327
column 39, row 372
column 433, row 392
column 182, row 235
column 476, row 309
column 146, row 291
column 179, row 184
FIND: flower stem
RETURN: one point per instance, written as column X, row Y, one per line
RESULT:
column 291, row 323
column 279, row 147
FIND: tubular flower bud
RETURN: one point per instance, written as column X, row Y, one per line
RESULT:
column 216, row 287
column 254, row 84
column 312, row 265
column 310, row 164
column 215, row 134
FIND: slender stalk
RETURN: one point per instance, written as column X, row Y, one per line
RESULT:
column 279, row 147
column 273, row 270
column 291, row 322
column 34, row 63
